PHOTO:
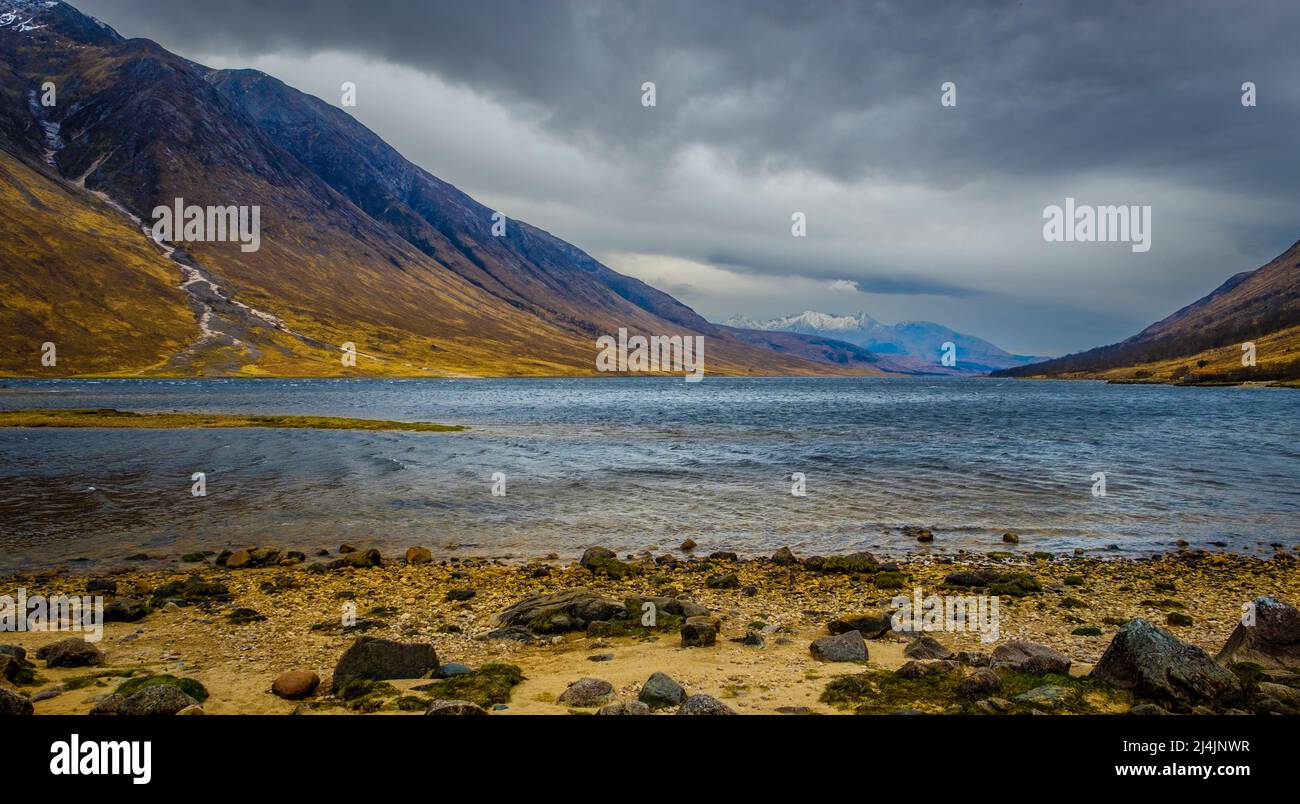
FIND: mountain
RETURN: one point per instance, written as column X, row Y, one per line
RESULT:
column 906, row 347
column 1202, row 342
column 357, row 244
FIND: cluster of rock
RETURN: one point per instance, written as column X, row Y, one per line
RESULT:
column 573, row 610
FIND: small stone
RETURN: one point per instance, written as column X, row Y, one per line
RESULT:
column 923, row 668
column 461, row 594
column 1011, row 538
column 699, row 632
column 689, row 545
column 725, row 581
column 451, row 669
column 418, row 555
column 1046, row 697
column 784, row 557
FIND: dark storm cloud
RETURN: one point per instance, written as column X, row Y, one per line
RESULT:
column 845, row 89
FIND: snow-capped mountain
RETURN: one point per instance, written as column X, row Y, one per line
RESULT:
column 921, row 341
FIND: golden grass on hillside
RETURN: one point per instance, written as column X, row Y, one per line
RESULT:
column 108, row 417
column 1274, row 353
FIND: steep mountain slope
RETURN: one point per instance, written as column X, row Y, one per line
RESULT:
column 357, row 245
column 908, row 346
column 1203, row 341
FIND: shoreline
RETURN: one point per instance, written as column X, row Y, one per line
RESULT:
column 118, row 419
column 765, row 613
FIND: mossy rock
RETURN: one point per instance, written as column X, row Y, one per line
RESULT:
column 612, row 568
column 664, row 623
column 1015, row 584
column 1087, row 630
column 189, row 686
column 1073, row 603
column 1177, row 618
column 1163, row 603
column 367, row 695
column 490, row 684
column 883, row 692
column 890, row 580
column 1074, row 580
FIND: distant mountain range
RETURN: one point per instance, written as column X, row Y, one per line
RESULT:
column 912, row 347
column 1253, row 313
column 358, row 245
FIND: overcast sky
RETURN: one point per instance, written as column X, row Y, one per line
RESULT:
column 914, row 210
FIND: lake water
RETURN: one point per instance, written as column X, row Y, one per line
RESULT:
column 636, row 463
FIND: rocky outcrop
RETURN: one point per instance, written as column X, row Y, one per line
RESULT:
column 1154, row 663
column 374, row 658
column 572, row 610
column 1272, row 639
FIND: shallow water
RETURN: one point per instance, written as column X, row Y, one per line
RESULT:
column 644, row 463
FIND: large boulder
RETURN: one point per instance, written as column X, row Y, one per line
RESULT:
column 1272, row 640
column 71, row 652
column 1029, row 657
column 11, row 703
column 572, row 610
column 1154, row 663
column 846, row 647
column 375, row 658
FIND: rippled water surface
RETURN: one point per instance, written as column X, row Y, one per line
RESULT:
column 641, row 463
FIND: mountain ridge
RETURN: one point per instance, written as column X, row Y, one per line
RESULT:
column 358, row 244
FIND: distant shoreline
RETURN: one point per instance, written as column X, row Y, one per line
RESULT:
column 110, row 417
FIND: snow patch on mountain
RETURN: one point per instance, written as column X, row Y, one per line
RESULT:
column 922, row 341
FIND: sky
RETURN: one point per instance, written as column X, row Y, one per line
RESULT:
column 915, row 210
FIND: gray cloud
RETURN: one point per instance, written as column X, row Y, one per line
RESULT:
column 837, row 104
